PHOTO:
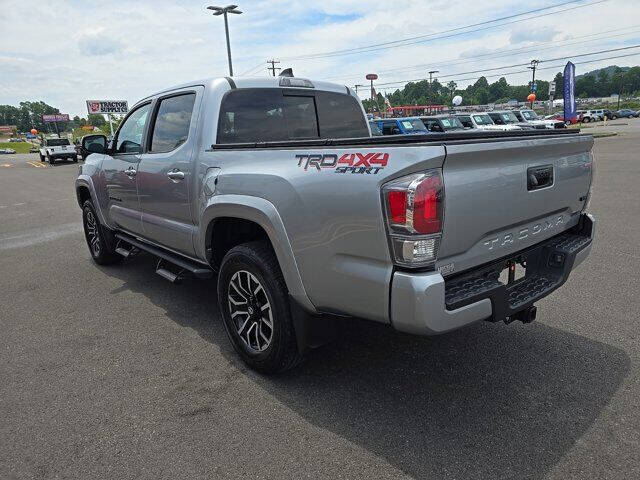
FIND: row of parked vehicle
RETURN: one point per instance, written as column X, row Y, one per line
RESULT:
column 586, row 116
column 495, row 120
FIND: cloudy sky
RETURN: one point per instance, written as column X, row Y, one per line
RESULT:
column 64, row 52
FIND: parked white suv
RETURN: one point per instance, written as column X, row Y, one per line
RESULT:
column 592, row 115
column 53, row 149
column 482, row 121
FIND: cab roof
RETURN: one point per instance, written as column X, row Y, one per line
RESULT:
column 255, row 82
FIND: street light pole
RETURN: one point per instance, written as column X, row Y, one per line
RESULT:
column 223, row 11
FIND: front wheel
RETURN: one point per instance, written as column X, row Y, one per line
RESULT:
column 254, row 304
column 100, row 239
column 50, row 160
column 41, row 158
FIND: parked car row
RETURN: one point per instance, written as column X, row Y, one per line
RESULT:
column 496, row 120
column 586, row 116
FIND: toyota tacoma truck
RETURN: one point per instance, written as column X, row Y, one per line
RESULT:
column 53, row 149
column 277, row 189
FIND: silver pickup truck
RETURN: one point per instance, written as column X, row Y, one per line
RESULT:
column 277, row 188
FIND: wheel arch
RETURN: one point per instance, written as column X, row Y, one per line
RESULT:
column 85, row 190
column 246, row 218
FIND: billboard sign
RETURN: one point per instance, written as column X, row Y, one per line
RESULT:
column 8, row 129
column 569, row 87
column 107, row 106
column 58, row 117
column 371, row 76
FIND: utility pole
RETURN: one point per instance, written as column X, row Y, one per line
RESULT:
column 223, row 11
column 431, row 72
column 273, row 67
column 534, row 88
column 357, row 86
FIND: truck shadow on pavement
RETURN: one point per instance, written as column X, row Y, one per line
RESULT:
column 488, row 401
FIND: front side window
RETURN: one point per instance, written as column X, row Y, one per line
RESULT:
column 129, row 138
column 171, row 127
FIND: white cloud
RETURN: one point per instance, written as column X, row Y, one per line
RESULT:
column 539, row 34
column 81, row 50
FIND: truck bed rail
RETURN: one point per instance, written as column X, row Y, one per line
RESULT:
column 411, row 140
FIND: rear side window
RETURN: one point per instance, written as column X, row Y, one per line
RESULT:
column 340, row 116
column 266, row 114
column 466, row 122
column 172, row 123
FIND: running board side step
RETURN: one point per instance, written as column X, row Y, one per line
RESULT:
column 197, row 269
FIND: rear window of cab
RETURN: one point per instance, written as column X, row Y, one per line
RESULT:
column 275, row 114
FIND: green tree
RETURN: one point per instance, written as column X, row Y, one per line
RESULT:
column 559, row 81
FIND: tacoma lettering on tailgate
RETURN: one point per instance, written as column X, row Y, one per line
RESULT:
column 505, row 239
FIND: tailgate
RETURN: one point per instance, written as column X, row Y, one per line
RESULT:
column 499, row 198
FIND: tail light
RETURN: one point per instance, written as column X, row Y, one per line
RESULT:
column 414, row 208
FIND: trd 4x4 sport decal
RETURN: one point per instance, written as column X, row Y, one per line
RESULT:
column 369, row 163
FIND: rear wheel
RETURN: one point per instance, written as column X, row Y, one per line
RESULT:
column 254, row 304
column 100, row 239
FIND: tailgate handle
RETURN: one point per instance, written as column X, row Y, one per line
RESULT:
column 539, row 177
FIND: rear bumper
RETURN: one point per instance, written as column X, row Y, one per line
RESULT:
column 427, row 304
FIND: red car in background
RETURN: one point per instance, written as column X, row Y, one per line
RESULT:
column 560, row 117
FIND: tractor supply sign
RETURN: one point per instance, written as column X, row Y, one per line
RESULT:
column 107, row 106
column 59, row 117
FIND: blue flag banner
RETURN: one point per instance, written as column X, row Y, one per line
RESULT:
column 569, row 87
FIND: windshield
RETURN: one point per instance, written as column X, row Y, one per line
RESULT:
column 509, row 117
column 412, row 124
column 529, row 114
column 451, row 123
column 483, row 119
column 56, row 142
column 375, row 131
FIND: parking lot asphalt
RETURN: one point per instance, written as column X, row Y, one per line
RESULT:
column 112, row 372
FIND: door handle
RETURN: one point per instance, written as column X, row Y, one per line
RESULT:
column 130, row 172
column 175, row 175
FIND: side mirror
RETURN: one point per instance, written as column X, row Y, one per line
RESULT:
column 94, row 143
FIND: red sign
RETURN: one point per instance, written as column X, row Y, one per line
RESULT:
column 60, row 117
column 371, row 76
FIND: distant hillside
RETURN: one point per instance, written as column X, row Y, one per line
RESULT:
column 609, row 70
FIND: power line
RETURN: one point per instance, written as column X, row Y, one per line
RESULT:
column 502, row 53
column 252, row 69
column 507, row 74
column 439, row 35
column 515, row 65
